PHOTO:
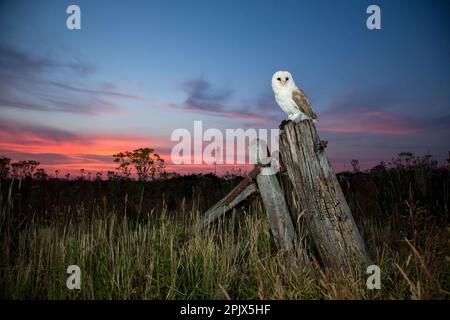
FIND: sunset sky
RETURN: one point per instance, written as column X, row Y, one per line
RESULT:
column 137, row 70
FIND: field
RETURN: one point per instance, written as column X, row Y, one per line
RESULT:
column 143, row 240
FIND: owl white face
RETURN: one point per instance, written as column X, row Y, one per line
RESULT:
column 282, row 80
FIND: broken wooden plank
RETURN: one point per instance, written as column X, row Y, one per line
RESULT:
column 248, row 179
column 238, row 194
column 326, row 211
column 280, row 220
column 230, row 201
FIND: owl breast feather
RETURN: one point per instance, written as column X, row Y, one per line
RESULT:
column 286, row 104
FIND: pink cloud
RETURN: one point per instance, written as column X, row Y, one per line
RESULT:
column 231, row 114
column 366, row 121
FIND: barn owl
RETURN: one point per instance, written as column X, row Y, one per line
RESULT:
column 290, row 98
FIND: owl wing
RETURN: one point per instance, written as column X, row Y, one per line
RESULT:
column 302, row 103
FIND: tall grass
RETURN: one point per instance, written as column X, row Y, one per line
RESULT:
column 161, row 255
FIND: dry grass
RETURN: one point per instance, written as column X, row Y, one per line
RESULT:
column 159, row 255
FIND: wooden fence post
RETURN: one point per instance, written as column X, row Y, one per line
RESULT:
column 275, row 204
column 326, row 211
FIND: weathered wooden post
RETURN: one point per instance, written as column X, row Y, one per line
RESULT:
column 326, row 211
column 275, row 204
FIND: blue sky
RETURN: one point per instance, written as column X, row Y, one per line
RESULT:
column 139, row 69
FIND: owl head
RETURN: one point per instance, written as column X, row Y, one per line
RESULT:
column 282, row 80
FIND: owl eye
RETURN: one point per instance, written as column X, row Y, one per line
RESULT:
column 287, row 78
column 279, row 79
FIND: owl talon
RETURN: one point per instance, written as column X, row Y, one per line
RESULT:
column 283, row 123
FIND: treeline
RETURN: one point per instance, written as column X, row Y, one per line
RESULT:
column 405, row 160
column 144, row 163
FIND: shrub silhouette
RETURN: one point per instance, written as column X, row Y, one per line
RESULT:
column 146, row 162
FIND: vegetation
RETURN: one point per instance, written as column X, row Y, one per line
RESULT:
column 141, row 239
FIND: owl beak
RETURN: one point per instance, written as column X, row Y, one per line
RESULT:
column 283, row 82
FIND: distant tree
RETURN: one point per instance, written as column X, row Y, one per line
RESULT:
column 98, row 176
column 112, row 175
column 147, row 163
column 123, row 159
column 40, row 174
column 67, row 176
column 23, row 169
column 427, row 161
column 355, row 165
column 380, row 167
column 405, row 159
column 4, row 167
column 56, row 174
column 169, row 175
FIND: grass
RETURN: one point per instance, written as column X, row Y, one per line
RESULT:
column 130, row 250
